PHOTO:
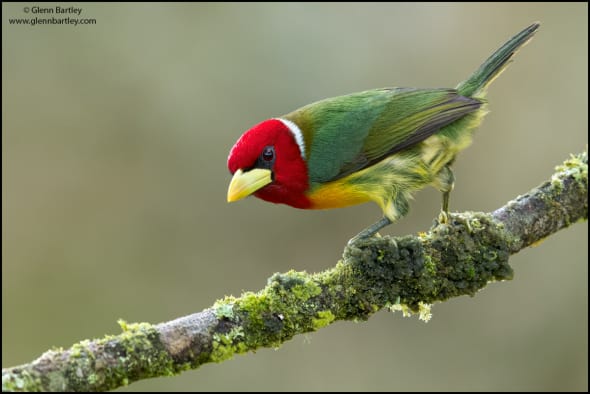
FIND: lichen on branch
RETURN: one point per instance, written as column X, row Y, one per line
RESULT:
column 406, row 273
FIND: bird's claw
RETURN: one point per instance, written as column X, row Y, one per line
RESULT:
column 443, row 217
column 361, row 237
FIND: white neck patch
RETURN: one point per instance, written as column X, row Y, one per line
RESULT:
column 296, row 131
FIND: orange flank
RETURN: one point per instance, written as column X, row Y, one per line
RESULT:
column 337, row 194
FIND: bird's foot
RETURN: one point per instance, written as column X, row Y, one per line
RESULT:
column 443, row 217
column 454, row 219
column 362, row 236
column 370, row 231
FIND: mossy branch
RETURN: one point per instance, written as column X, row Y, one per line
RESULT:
column 408, row 273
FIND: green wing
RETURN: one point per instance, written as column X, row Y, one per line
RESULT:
column 348, row 133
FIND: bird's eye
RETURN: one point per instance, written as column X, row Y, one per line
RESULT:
column 268, row 154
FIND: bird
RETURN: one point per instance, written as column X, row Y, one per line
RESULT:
column 379, row 145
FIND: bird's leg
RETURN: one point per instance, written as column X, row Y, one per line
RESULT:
column 445, row 183
column 371, row 230
column 396, row 207
column 443, row 216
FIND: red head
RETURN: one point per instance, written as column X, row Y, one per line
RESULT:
column 267, row 161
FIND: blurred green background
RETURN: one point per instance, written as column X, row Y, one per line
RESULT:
column 114, row 145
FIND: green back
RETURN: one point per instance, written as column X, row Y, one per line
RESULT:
column 348, row 133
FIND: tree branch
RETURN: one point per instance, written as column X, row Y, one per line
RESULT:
column 408, row 273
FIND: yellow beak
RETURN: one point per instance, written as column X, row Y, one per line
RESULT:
column 245, row 183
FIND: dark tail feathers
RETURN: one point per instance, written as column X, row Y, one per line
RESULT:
column 477, row 83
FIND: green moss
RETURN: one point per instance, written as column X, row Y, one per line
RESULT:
column 24, row 381
column 93, row 379
column 304, row 292
column 224, row 310
column 406, row 312
column 429, row 265
column 324, row 318
column 139, row 354
column 101, row 364
column 557, row 182
column 411, row 268
column 226, row 345
column 576, row 167
column 406, row 273
column 269, row 317
column 425, row 312
column 290, row 304
column 575, row 164
column 134, row 327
